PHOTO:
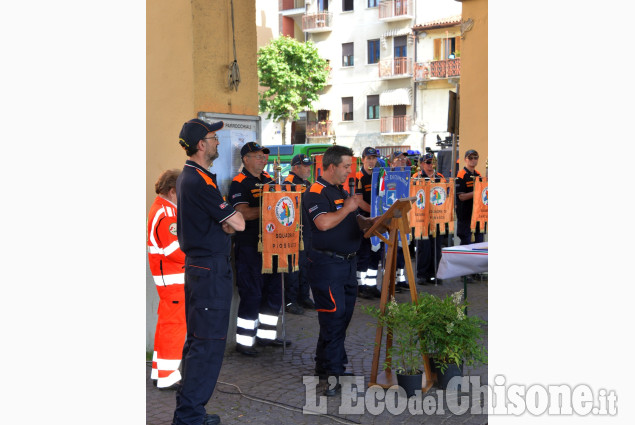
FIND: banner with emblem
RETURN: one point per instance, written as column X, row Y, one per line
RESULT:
column 441, row 207
column 319, row 170
column 388, row 186
column 479, row 209
column 280, row 232
column 420, row 211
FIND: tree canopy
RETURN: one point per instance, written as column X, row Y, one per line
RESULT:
column 293, row 73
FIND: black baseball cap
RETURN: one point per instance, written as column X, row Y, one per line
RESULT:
column 195, row 130
column 370, row 151
column 427, row 156
column 470, row 152
column 395, row 154
column 252, row 147
column 301, row 159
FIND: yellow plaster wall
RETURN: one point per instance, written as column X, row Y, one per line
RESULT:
column 473, row 85
column 188, row 50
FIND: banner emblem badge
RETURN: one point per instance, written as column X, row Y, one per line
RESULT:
column 437, row 196
column 421, row 199
column 285, row 211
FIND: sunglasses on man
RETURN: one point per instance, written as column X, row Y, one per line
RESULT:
column 472, row 157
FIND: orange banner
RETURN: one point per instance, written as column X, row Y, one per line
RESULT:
column 281, row 212
column 319, row 169
column 479, row 209
column 441, row 207
column 420, row 211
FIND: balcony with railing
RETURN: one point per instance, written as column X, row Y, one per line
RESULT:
column 398, row 124
column 316, row 129
column 396, row 68
column 317, row 22
column 396, row 10
column 434, row 70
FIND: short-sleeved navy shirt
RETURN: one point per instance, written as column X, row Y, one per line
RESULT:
column 301, row 186
column 364, row 179
column 464, row 183
column 200, row 212
column 322, row 198
column 243, row 190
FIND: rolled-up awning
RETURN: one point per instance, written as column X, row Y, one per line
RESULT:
column 396, row 97
column 396, row 33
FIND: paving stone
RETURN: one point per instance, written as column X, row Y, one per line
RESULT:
column 272, row 385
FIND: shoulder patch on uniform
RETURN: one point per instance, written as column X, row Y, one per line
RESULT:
column 461, row 174
column 207, row 179
column 316, row 188
column 240, row 177
column 289, row 178
column 266, row 174
column 173, row 228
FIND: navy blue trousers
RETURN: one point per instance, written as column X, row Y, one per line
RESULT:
column 334, row 285
column 208, row 296
column 296, row 284
column 465, row 234
column 426, row 266
column 259, row 292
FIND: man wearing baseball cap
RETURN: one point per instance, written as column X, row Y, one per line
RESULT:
column 428, row 250
column 203, row 224
column 464, row 198
column 260, row 294
column 367, row 260
column 399, row 159
column 296, row 284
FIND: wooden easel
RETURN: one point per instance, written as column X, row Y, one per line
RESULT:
column 396, row 220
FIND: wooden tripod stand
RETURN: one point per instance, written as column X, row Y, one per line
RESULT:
column 396, row 220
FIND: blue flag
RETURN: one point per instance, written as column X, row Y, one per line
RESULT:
column 387, row 186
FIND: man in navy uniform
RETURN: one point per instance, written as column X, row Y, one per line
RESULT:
column 204, row 222
column 428, row 250
column 336, row 232
column 367, row 259
column 465, row 198
column 260, row 293
column 464, row 184
column 296, row 283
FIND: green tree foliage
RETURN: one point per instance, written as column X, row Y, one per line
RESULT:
column 293, row 74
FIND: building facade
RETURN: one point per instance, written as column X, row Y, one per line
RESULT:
column 372, row 96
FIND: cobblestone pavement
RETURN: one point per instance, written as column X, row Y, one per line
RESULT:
column 272, row 384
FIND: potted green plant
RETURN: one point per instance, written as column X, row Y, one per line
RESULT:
column 405, row 356
column 450, row 337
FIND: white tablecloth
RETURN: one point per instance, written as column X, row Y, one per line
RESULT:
column 462, row 260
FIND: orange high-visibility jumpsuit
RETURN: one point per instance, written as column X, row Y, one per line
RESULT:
column 166, row 265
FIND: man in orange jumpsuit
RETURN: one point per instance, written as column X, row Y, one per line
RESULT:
column 166, row 264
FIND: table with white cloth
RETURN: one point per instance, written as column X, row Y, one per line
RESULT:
column 463, row 260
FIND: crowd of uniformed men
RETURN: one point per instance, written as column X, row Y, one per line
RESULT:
column 190, row 228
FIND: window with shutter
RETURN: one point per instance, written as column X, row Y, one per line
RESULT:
column 347, row 109
column 372, row 102
column 347, row 54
